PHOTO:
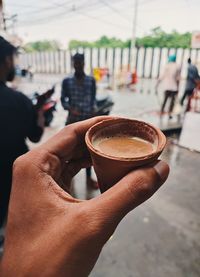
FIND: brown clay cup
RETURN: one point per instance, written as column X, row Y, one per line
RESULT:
column 109, row 169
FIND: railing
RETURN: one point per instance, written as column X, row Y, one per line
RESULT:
column 148, row 61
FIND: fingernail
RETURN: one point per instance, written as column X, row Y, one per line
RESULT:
column 162, row 169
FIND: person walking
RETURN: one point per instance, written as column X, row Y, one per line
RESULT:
column 170, row 82
column 78, row 96
column 18, row 121
column 192, row 79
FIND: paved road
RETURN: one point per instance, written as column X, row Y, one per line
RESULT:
column 142, row 103
column 161, row 238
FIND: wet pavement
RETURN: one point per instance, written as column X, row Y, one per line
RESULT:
column 142, row 103
column 161, row 238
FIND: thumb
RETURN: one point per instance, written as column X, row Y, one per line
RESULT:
column 131, row 191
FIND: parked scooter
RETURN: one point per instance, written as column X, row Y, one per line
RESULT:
column 103, row 106
column 27, row 73
column 46, row 103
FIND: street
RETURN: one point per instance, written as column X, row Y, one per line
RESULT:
column 161, row 238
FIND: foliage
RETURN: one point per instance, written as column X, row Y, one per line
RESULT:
column 43, row 45
column 104, row 41
column 159, row 38
column 156, row 38
column 80, row 43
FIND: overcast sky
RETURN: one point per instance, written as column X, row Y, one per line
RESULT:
column 89, row 19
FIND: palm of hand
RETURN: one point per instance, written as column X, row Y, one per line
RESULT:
column 50, row 233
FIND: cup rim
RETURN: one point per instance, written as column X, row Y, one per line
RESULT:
column 161, row 140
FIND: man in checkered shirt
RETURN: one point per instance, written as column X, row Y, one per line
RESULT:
column 78, row 96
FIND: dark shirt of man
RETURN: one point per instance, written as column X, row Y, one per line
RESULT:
column 18, row 121
column 192, row 77
column 79, row 96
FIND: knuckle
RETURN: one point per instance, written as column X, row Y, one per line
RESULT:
column 70, row 129
column 20, row 163
column 23, row 165
column 143, row 185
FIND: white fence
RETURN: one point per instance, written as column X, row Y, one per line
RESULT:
column 148, row 61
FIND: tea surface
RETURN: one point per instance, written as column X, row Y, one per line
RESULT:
column 124, row 147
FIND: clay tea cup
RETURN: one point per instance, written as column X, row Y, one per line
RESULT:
column 119, row 145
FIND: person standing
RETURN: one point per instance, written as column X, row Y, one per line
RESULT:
column 192, row 79
column 78, row 96
column 170, row 82
column 18, row 121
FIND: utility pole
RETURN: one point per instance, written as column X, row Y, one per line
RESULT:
column 13, row 20
column 4, row 19
column 1, row 16
column 134, row 29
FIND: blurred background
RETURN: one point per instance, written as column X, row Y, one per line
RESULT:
column 126, row 45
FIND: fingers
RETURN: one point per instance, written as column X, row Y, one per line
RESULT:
column 74, row 167
column 67, row 145
column 69, row 170
column 65, row 142
column 131, row 191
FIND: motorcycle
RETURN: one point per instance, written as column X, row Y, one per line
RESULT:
column 46, row 103
column 103, row 105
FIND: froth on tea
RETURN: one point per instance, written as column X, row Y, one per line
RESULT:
column 123, row 146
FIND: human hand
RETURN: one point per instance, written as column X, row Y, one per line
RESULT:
column 50, row 233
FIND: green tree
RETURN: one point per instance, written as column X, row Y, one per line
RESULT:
column 113, row 42
column 156, row 38
column 80, row 43
column 159, row 38
column 104, row 41
column 44, row 45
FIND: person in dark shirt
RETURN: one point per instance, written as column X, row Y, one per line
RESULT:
column 192, row 79
column 78, row 96
column 18, row 121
